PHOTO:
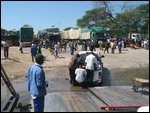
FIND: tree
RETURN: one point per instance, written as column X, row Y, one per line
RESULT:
column 52, row 30
column 3, row 31
column 67, row 28
column 136, row 20
column 108, row 10
column 130, row 19
column 142, row 18
column 92, row 17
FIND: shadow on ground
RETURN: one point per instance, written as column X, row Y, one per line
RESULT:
column 10, row 59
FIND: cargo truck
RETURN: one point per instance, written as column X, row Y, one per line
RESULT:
column 26, row 35
column 95, row 34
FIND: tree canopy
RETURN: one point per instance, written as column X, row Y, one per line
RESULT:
column 52, row 30
column 130, row 19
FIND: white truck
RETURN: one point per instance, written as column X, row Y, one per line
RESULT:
column 134, row 36
column 134, row 40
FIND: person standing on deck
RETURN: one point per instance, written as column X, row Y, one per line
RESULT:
column 37, row 83
column 91, row 65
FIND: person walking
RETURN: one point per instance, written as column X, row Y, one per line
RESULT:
column 6, row 49
column 21, row 46
column 120, row 46
column 33, row 51
column 72, row 48
column 39, row 49
column 56, row 49
column 37, row 83
column 107, row 44
column 113, row 46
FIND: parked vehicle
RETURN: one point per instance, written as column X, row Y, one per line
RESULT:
column 26, row 35
column 98, row 74
column 134, row 36
column 94, row 34
column 134, row 40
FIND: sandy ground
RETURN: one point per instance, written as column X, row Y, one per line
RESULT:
column 17, row 64
column 119, row 69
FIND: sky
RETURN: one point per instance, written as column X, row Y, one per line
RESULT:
column 44, row 14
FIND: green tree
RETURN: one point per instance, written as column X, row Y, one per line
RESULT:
column 130, row 19
column 52, row 30
column 135, row 21
column 142, row 18
column 92, row 17
column 3, row 31
column 67, row 28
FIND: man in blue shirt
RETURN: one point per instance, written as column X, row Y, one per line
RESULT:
column 37, row 84
column 33, row 51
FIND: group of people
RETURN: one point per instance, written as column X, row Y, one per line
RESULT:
column 80, row 45
column 112, row 44
column 85, row 73
column 54, row 48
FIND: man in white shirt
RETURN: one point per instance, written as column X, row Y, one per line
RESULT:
column 80, row 74
column 6, row 49
column 91, row 64
column 56, row 50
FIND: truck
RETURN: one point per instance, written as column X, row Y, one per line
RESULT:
column 95, row 34
column 26, row 35
column 134, row 36
column 134, row 40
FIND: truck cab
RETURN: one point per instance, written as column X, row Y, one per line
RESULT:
column 134, row 36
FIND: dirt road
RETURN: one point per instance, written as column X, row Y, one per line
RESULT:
column 119, row 69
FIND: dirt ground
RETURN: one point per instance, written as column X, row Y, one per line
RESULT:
column 119, row 69
column 17, row 64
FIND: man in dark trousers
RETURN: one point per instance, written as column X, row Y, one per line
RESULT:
column 91, row 65
column 72, row 67
column 33, row 51
column 6, row 49
column 37, row 84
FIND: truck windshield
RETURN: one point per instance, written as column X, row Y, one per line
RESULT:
column 100, row 35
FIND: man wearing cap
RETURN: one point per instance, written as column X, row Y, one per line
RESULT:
column 37, row 84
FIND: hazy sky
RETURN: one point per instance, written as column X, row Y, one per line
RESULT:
column 43, row 14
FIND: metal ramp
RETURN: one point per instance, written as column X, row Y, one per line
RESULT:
column 12, row 102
